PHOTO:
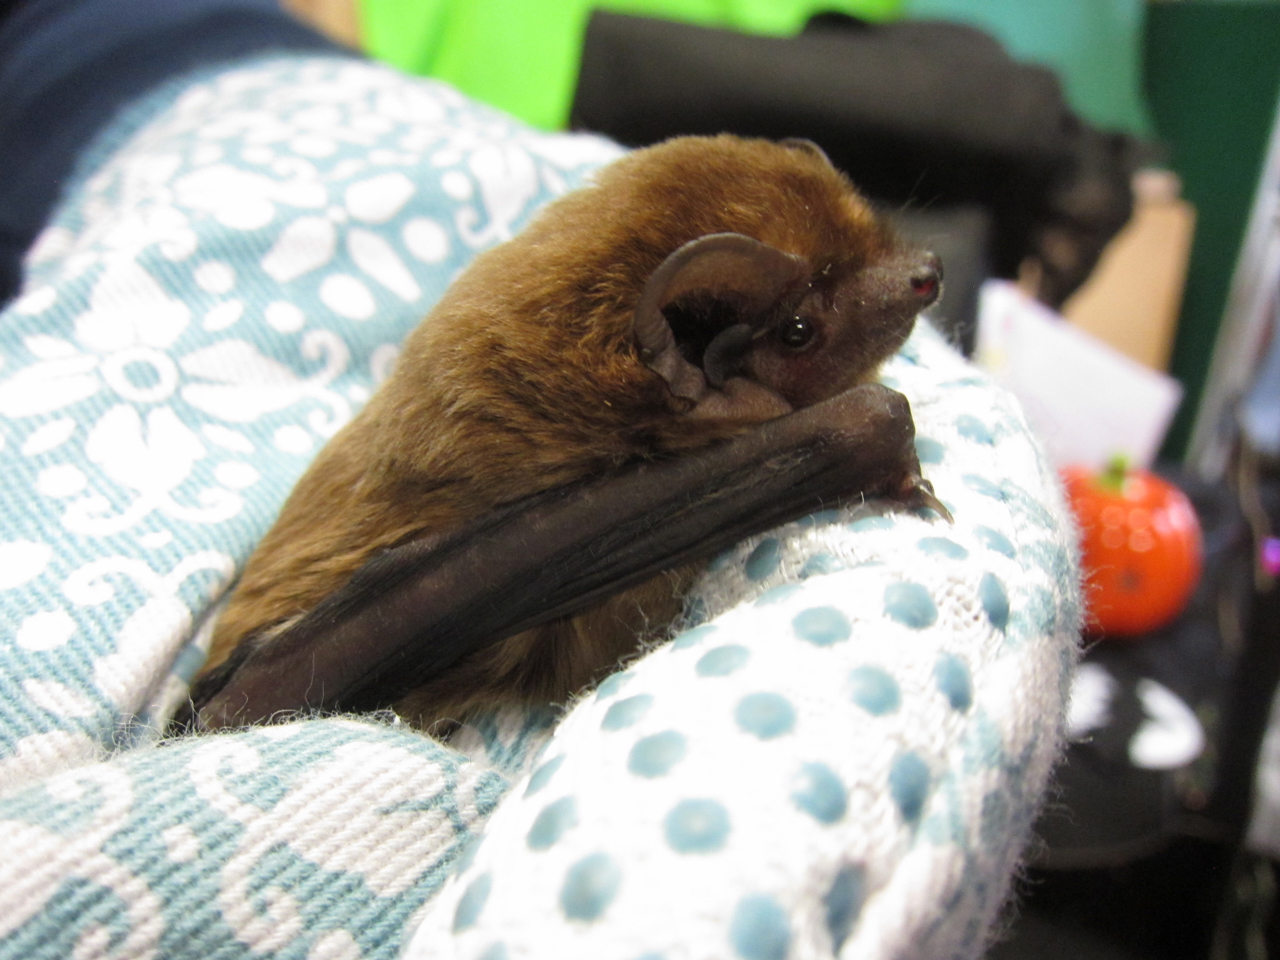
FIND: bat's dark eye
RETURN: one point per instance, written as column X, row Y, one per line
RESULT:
column 796, row 332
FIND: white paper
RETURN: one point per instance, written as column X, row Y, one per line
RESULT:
column 1086, row 401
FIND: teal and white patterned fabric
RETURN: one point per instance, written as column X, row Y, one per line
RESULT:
column 841, row 754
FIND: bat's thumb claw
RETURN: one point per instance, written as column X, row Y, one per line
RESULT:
column 916, row 493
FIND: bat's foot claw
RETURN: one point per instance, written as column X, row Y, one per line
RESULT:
column 916, row 493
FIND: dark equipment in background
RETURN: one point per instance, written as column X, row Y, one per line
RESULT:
column 924, row 116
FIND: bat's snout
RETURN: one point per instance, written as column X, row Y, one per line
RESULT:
column 891, row 293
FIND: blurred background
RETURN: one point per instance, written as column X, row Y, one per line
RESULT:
column 1102, row 180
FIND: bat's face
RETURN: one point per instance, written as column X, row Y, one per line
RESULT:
column 782, row 311
column 843, row 328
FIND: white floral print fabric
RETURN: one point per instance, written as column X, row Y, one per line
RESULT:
column 209, row 307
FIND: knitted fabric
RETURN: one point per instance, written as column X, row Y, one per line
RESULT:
column 841, row 751
column 843, row 756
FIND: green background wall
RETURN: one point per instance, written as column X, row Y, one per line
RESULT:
column 1212, row 78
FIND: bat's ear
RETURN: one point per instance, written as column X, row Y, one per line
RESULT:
column 804, row 145
column 747, row 277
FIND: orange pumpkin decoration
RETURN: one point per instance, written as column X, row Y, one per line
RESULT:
column 1140, row 543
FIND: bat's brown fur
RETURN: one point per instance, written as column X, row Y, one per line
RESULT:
column 526, row 376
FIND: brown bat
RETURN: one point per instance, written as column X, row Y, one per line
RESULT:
column 660, row 364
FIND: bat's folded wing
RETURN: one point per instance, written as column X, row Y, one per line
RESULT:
column 415, row 610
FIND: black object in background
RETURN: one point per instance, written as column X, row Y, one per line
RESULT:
column 918, row 113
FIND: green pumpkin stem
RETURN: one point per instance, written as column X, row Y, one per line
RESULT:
column 1113, row 476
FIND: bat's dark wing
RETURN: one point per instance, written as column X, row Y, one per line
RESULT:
column 415, row 610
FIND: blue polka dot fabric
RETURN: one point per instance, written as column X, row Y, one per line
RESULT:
column 840, row 751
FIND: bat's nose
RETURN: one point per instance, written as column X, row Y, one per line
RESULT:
column 926, row 279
